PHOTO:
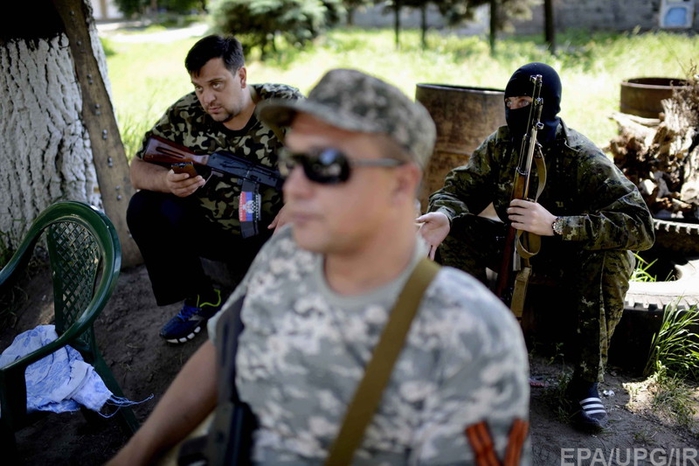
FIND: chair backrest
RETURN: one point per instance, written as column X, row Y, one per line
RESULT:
column 85, row 260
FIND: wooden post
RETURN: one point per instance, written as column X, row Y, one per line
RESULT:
column 98, row 117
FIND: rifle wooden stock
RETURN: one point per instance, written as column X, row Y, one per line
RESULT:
column 520, row 245
column 164, row 152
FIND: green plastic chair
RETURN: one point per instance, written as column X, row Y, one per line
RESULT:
column 85, row 260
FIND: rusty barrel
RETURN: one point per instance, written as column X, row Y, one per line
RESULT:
column 642, row 96
column 464, row 117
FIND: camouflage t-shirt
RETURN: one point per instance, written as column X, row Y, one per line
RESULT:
column 304, row 350
column 186, row 123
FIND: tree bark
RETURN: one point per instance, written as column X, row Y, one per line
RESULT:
column 54, row 110
column 549, row 26
column 108, row 152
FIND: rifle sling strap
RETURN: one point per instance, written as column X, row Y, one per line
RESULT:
column 519, row 291
column 530, row 247
column 378, row 371
column 533, row 245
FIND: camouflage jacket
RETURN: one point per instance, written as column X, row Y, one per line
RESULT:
column 186, row 123
column 601, row 208
column 304, row 349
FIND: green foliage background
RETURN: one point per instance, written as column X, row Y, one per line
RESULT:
column 147, row 75
column 258, row 24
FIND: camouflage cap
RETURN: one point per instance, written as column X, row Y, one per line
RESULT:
column 354, row 101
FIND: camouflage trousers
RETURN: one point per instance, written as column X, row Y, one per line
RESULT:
column 594, row 283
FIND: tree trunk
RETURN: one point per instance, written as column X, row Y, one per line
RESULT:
column 493, row 25
column 396, row 22
column 423, row 26
column 549, row 26
column 59, row 133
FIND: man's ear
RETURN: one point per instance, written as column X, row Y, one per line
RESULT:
column 243, row 74
column 407, row 182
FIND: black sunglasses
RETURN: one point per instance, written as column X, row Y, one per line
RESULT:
column 328, row 166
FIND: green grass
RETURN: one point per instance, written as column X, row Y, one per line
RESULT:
column 675, row 348
column 148, row 76
column 641, row 273
column 674, row 397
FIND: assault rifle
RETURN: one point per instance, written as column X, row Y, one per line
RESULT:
column 520, row 246
column 164, row 152
column 250, row 175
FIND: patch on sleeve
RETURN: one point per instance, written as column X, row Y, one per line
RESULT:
column 249, row 206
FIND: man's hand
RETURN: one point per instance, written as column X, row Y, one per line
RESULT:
column 154, row 177
column 435, row 227
column 530, row 216
column 183, row 185
column 279, row 221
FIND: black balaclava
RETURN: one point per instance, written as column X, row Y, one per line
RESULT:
column 520, row 84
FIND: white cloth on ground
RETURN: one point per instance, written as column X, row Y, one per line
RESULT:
column 62, row 381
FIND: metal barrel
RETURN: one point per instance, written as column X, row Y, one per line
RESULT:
column 642, row 96
column 464, row 117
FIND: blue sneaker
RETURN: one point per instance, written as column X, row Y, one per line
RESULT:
column 589, row 413
column 189, row 321
column 592, row 415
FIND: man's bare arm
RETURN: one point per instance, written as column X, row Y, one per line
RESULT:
column 186, row 403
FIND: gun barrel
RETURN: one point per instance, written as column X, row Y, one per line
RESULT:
column 231, row 164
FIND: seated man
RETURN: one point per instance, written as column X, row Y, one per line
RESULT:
column 589, row 215
column 320, row 291
column 176, row 218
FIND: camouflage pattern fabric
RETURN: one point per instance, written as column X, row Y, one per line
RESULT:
column 186, row 123
column 605, row 218
column 304, row 350
column 354, row 101
column 602, row 209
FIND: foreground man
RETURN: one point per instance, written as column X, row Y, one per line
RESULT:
column 319, row 294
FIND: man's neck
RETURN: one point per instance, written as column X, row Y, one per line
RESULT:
column 373, row 266
column 239, row 121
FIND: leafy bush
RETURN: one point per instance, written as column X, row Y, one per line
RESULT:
column 135, row 8
column 258, row 23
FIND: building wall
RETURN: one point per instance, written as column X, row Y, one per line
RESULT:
column 104, row 10
column 607, row 15
column 593, row 15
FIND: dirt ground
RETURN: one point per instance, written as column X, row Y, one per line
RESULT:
column 145, row 365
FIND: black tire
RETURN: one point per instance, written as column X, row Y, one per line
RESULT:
column 677, row 237
column 652, row 296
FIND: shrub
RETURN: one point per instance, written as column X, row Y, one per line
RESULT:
column 259, row 23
